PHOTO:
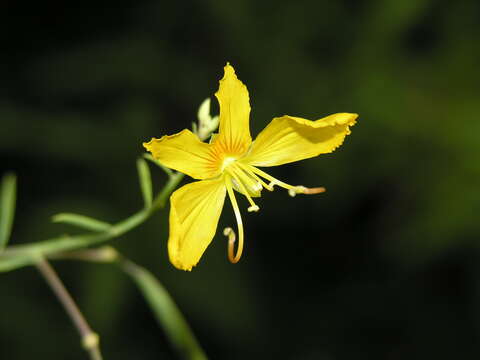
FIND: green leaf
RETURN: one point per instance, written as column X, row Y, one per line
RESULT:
column 7, row 207
column 145, row 181
column 166, row 312
column 18, row 256
column 82, row 221
column 14, row 262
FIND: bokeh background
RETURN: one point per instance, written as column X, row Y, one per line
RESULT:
column 384, row 265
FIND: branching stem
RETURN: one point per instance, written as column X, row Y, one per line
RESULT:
column 17, row 256
column 90, row 339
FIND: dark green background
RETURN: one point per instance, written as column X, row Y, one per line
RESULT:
column 385, row 265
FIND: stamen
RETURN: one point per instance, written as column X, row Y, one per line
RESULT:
column 231, row 235
column 228, row 231
column 250, row 172
column 273, row 181
column 292, row 190
column 234, row 174
column 246, row 177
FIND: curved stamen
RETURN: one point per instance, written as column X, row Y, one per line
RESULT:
column 228, row 231
column 231, row 240
column 238, row 178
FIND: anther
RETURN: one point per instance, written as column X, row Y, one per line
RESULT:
column 253, row 208
column 257, row 186
column 255, row 176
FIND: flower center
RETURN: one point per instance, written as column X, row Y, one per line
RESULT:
column 244, row 181
column 227, row 161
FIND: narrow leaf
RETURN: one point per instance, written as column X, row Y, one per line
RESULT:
column 145, row 181
column 7, row 207
column 166, row 312
column 82, row 221
column 14, row 262
column 46, row 248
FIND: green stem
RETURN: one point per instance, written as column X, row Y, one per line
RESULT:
column 164, row 309
column 23, row 255
column 89, row 338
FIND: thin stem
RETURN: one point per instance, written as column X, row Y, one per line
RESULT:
column 149, row 157
column 159, row 300
column 89, row 338
column 23, row 255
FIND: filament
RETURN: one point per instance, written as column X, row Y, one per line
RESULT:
column 292, row 190
column 247, row 178
column 273, row 181
column 231, row 239
column 237, row 177
column 255, row 176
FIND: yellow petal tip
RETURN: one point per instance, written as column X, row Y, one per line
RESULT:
column 338, row 119
column 228, row 72
column 182, row 267
column 175, row 260
column 148, row 145
column 228, row 69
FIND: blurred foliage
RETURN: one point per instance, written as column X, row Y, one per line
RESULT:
column 384, row 265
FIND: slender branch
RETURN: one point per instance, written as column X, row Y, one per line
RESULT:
column 149, row 157
column 18, row 256
column 90, row 339
column 164, row 309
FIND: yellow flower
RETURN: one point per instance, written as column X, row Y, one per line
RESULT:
column 230, row 162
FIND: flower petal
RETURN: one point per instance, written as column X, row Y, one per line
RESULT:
column 287, row 139
column 234, row 131
column 184, row 152
column 194, row 212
